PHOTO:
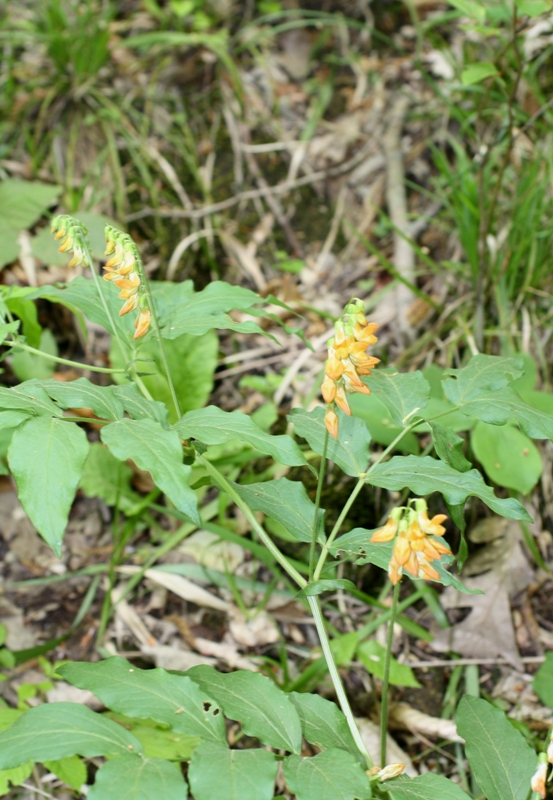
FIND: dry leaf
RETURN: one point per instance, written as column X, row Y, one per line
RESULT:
column 255, row 632
column 370, row 733
column 212, row 552
column 180, row 586
column 404, row 717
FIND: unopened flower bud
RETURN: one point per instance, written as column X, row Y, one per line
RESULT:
column 537, row 784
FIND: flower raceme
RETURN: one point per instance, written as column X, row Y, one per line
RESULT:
column 122, row 268
column 72, row 235
column 347, row 361
column 417, row 542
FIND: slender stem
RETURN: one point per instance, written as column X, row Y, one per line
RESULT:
column 315, row 530
column 248, row 513
column 336, row 680
column 386, row 680
column 78, row 365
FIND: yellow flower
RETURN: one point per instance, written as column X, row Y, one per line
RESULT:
column 122, row 268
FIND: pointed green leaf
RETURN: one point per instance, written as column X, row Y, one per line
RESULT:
column 332, row 775
column 475, row 73
column 402, row 393
column 157, row 450
column 217, row 773
column 425, row 475
column 350, row 452
column 449, row 447
column 382, row 430
column 58, row 730
column 24, row 202
column 150, row 694
column 14, row 776
column 138, row 407
column 500, row 407
column 287, row 502
column 509, row 457
column 424, row 787
column 373, row 655
column 543, row 680
column 81, row 295
column 70, row 770
column 12, row 419
column 84, row 394
column 327, row 585
column 37, row 403
column 106, row 477
column 481, row 374
column 135, row 778
column 211, row 425
column 262, row 708
column 46, row 457
column 322, row 722
column 501, row 760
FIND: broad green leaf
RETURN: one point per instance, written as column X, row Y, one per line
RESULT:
column 509, row 457
column 22, row 204
column 8, row 717
column 285, row 501
column 14, row 777
column 27, row 312
column 425, row 475
column 382, row 430
column 322, row 722
column 331, row 775
column 31, row 366
column 158, row 740
column 12, row 419
column 482, row 373
column 217, row 773
column 58, row 730
column 262, row 708
column 46, row 457
column 155, row 694
column 70, row 770
column 84, row 394
column 500, row 407
column 543, row 401
column 449, row 447
column 106, row 477
column 475, row 73
column 372, row 655
column 500, row 759
column 402, row 393
column 30, row 398
column 424, row 787
column 534, row 7
column 211, row 425
column 455, row 420
column 350, row 452
column 472, row 8
column 157, row 450
column 327, row 585
column 543, row 681
column 6, row 328
column 135, row 778
column 138, row 407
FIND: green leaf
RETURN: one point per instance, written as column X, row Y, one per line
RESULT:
column 509, row 457
column 81, row 393
column 46, row 457
column 381, row 428
column 533, row 7
column 157, row 450
column 81, row 295
column 285, row 501
column 30, row 398
column 472, row 8
column 106, row 477
column 27, row 312
column 475, row 73
column 261, row 707
column 402, row 393
column 350, row 452
column 543, row 681
column 58, row 730
column 501, row 760
column 31, row 366
column 22, row 204
column 500, row 407
column 15, row 776
column 158, row 740
column 424, row 475
column 138, row 779
column 12, row 419
column 322, row 723
column 174, row 700
column 424, row 787
column 138, row 407
column 70, row 770
column 482, row 373
column 217, row 773
column 212, row 426
column 449, row 447
column 331, row 775
column 372, row 655
column 318, row 587
column 6, row 328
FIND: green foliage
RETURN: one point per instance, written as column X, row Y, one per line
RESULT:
column 332, row 775
column 217, row 773
column 424, row 787
column 322, row 723
column 350, row 452
column 372, row 655
column 138, row 779
column 70, row 770
column 22, row 204
column 509, row 457
column 543, row 680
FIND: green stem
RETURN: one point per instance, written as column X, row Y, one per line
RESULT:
column 315, row 530
column 57, row 359
column 386, row 679
column 336, row 680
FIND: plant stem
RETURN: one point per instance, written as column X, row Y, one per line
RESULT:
column 336, row 680
column 386, row 679
column 19, row 345
column 315, row 530
column 250, row 516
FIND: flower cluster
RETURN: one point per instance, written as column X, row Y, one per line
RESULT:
column 123, row 270
column 73, row 235
column 417, row 542
column 347, row 361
